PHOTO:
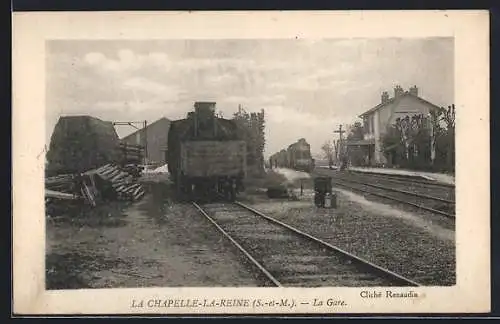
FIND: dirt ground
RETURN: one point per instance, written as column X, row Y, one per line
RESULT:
column 151, row 243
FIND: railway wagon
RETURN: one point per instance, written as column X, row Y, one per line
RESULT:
column 279, row 160
column 299, row 156
column 206, row 154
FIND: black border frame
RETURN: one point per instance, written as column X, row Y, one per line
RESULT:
column 193, row 5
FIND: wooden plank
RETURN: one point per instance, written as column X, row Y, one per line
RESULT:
column 113, row 173
column 139, row 195
column 59, row 195
column 109, row 171
column 131, row 188
column 118, row 183
column 137, row 190
column 88, row 195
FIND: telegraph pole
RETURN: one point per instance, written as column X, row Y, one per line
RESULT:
column 340, row 131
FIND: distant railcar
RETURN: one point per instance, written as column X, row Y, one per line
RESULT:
column 206, row 154
column 297, row 157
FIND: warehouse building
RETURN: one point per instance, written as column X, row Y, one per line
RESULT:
column 154, row 138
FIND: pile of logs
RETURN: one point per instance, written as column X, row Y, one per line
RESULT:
column 61, row 183
column 132, row 153
column 109, row 182
column 123, row 183
column 61, row 187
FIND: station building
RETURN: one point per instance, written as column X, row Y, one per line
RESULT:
column 377, row 119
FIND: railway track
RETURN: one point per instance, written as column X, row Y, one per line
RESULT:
column 430, row 203
column 286, row 256
column 444, row 195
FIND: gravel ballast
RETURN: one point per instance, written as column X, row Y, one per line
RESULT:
column 403, row 242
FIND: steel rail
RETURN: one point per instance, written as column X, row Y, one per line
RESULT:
column 384, row 271
column 245, row 252
column 399, row 190
column 432, row 210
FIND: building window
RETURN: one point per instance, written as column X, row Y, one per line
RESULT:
column 372, row 128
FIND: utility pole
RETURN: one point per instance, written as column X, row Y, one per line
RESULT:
column 145, row 128
column 340, row 131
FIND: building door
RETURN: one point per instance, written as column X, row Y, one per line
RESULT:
column 371, row 154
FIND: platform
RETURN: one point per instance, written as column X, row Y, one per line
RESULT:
column 439, row 177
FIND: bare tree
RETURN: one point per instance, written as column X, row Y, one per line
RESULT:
column 329, row 152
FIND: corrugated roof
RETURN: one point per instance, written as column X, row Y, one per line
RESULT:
column 392, row 100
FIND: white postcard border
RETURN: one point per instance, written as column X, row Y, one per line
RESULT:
column 471, row 32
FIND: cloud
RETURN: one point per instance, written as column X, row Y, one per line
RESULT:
column 220, row 80
column 255, row 100
column 127, row 60
column 205, row 63
column 281, row 114
column 235, row 99
column 272, row 98
column 143, row 84
column 95, row 58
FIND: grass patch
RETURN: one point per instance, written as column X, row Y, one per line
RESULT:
column 105, row 215
column 71, row 270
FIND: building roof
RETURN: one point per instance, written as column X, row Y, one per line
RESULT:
column 394, row 99
column 163, row 119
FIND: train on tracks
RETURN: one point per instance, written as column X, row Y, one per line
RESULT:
column 206, row 154
column 297, row 157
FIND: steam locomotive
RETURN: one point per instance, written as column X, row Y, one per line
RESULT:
column 297, row 157
column 206, row 154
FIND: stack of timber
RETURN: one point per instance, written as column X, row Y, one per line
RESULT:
column 106, row 183
column 62, row 183
column 131, row 154
column 61, row 187
column 115, row 182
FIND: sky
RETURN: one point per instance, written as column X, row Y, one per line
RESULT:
column 307, row 87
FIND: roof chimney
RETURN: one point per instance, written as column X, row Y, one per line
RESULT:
column 414, row 91
column 385, row 97
column 398, row 91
